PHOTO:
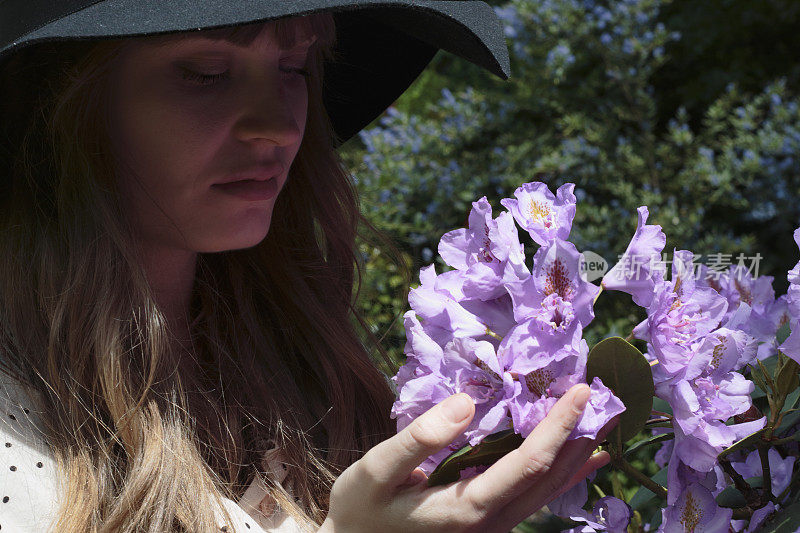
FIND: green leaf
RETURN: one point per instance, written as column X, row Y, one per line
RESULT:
column 789, row 419
column 731, row 497
column 787, row 379
column 783, row 333
column 661, row 405
column 787, row 520
column 770, row 363
column 791, row 400
column 623, row 369
column 488, row 452
column 644, row 495
column 757, row 377
column 768, row 368
column 655, row 439
column 758, row 392
column 746, row 442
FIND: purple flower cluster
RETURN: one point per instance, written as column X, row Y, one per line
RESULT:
column 508, row 336
column 791, row 346
column 700, row 332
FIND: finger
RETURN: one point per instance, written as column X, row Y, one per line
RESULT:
column 517, row 471
column 605, row 430
column 389, row 463
column 527, row 504
column 570, row 459
column 594, row 462
column 416, row 477
column 574, row 456
column 560, row 482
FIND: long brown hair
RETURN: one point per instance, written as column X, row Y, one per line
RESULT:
column 147, row 441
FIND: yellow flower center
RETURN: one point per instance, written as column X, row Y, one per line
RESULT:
column 719, row 349
column 539, row 211
column 692, row 514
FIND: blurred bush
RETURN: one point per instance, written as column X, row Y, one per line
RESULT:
column 688, row 107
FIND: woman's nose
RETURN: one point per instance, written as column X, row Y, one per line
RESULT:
column 271, row 110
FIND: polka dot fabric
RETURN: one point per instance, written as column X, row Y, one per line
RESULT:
column 28, row 483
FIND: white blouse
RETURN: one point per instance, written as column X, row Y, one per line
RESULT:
column 28, row 490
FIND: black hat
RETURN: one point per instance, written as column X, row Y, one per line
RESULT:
column 382, row 45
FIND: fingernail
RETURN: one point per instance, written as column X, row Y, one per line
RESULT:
column 603, row 457
column 457, row 407
column 581, row 397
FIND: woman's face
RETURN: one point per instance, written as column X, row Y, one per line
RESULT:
column 204, row 133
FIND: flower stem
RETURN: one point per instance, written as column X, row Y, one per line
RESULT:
column 750, row 494
column 658, row 420
column 765, row 473
column 784, row 440
column 620, row 463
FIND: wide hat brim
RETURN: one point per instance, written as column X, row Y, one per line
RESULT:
column 382, row 45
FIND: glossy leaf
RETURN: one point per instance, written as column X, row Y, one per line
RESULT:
column 655, row 439
column 757, row 377
column 791, row 400
column 790, row 418
column 625, row 371
column 644, row 495
column 731, row 497
column 489, row 451
column 786, row 380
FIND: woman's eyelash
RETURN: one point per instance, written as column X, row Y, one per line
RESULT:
column 204, row 79
column 209, row 79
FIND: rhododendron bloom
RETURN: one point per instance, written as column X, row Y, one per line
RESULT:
column 791, row 346
column 513, row 341
column 780, row 469
column 488, row 252
column 697, row 511
column 544, row 216
column 608, row 514
column 556, row 270
column 640, row 267
column 442, row 316
column 678, row 315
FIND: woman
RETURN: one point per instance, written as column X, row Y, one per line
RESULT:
column 177, row 239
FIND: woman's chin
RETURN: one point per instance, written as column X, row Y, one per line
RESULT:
column 237, row 240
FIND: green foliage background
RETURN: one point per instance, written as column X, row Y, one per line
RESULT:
column 691, row 108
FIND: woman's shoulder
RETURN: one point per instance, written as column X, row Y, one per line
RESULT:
column 27, row 470
column 29, row 484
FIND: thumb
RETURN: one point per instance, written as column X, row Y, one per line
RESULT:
column 393, row 460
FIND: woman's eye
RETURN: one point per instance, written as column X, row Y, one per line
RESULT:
column 210, row 79
column 204, row 79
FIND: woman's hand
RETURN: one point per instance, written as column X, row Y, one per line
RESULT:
column 384, row 491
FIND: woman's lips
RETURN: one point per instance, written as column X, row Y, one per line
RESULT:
column 251, row 190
